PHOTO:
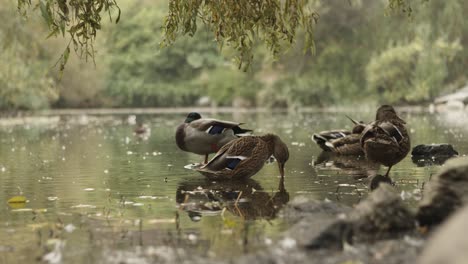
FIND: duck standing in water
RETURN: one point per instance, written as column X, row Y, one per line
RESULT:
column 204, row 136
column 341, row 142
column 386, row 140
column 245, row 156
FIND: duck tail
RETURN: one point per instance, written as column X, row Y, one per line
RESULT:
column 352, row 120
column 322, row 142
column 239, row 131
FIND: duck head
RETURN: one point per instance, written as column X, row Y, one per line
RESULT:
column 279, row 150
column 386, row 112
column 192, row 116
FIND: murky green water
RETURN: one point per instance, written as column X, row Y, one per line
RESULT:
column 93, row 187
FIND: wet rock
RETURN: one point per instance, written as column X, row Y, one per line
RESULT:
column 445, row 193
column 448, row 244
column 429, row 154
column 378, row 179
column 301, row 207
column 383, row 214
column 310, row 219
column 434, row 150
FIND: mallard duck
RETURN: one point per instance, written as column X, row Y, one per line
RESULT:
column 204, row 136
column 243, row 157
column 386, row 140
column 342, row 142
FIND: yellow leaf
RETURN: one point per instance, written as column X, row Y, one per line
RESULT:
column 17, row 199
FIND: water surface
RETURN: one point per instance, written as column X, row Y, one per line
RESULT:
column 93, row 187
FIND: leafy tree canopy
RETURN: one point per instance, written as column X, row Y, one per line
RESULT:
column 236, row 23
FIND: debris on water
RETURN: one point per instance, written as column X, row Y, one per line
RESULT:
column 192, row 237
column 54, row 256
column 106, row 171
column 192, row 166
column 88, row 189
column 138, row 204
column 2, row 169
column 288, row 243
column 22, row 210
column 129, row 152
column 405, row 195
column 83, row 206
column 17, row 199
column 131, row 119
column 162, row 221
column 52, row 198
column 346, row 185
column 69, row 228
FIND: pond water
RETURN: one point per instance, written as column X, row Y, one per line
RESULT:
column 96, row 191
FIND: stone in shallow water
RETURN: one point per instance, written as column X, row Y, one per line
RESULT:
column 429, row 154
column 448, row 244
column 445, row 193
column 431, row 150
column 326, row 225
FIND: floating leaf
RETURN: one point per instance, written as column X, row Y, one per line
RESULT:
column 17, row 199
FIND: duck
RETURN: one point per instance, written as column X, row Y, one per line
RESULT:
column 343, row 142
column 386, row 140
column 204, row 136
column 244, row 157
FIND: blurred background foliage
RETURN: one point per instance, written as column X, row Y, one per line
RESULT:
column 363, row 53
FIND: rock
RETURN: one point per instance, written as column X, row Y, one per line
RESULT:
column 383, row 214
column 301, row 207
column 446, row 192
column 311, row 219
column 448, row 244
column 430, row 154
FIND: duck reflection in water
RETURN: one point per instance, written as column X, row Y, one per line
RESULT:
column 357, row 167
column 246, row 199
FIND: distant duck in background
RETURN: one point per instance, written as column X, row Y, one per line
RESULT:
column 244, row 157
column 386, row 140
column 204, row 136
column 342, row 142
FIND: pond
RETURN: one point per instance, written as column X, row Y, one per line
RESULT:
column 96, row 191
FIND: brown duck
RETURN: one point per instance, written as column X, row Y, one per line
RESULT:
column 243, row 157
column 386, row 140
column 342, row 142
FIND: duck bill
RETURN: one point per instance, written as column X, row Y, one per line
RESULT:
column 281, row 169
column 401, row 119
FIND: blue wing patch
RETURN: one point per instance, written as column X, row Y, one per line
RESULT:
column 213, row 130
column 232, row 163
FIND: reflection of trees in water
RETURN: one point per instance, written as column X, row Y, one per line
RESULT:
column 246, row 199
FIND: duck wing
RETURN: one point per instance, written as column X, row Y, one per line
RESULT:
column 214, row 126
column 348, row 145
column 231, row 154
column 385, row 130
column 326, row 136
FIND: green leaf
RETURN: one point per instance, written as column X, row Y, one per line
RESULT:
column 45, row 12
